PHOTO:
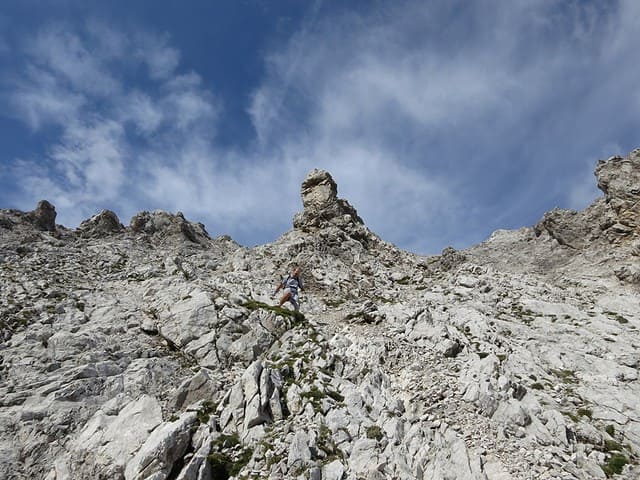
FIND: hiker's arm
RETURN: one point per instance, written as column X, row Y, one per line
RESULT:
column 278, row 288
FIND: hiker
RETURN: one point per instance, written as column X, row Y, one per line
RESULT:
column 290, row 284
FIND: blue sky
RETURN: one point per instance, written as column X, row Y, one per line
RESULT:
column 441, row 121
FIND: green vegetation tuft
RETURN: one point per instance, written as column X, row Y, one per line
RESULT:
column 615, row 464
column 336, row 396
column 566, row 376
column 537, row 386
column 284, row 312
column 205, row 411
column 611, row 430
column 585, row 412
column 612, row 446
column 315, row 396
column 222, row 464
column 374, row 432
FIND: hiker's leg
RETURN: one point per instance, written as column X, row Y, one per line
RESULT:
column 294, row 301
column 285, row 297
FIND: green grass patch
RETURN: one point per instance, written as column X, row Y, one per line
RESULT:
column 284, row 312
column 611, row 430
column 536, row 386
column 612, row 446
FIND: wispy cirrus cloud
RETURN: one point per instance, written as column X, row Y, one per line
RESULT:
column 441, row 121
column 502, row 106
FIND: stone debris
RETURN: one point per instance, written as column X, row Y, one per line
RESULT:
column 154, row 351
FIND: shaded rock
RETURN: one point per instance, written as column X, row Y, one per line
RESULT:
column 44, row 216
column 333, row 471
column 199, row 387
column 299, row 453
column 449, row 348
column 449, row 259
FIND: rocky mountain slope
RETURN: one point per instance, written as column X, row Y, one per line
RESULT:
column 154, row 351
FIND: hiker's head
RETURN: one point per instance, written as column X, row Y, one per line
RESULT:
column 296, row 271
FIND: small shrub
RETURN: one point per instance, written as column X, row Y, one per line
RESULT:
column 374, row 432
column 585, row 412
column 611, row 430
column 615, row 464
column 537, row 386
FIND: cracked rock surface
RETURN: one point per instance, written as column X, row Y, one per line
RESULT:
column 153, row 351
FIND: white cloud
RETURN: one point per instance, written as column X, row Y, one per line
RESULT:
column 140, row 109
column 65, row 54
column 434, row 118
column 39, row 99
column 161, row 59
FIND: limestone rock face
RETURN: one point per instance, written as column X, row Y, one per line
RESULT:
column 155, row 352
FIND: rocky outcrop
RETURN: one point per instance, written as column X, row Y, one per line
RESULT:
column 44, row 216
column 615, row 218
column 164, row 226
column 619, row 179
column 323, row 208
column 154, row 352
column 104, row 224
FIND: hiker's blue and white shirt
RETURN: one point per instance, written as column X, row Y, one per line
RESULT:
column 292, row 283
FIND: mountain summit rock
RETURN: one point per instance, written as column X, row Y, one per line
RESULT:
column 153, row 351
column 323, row 208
